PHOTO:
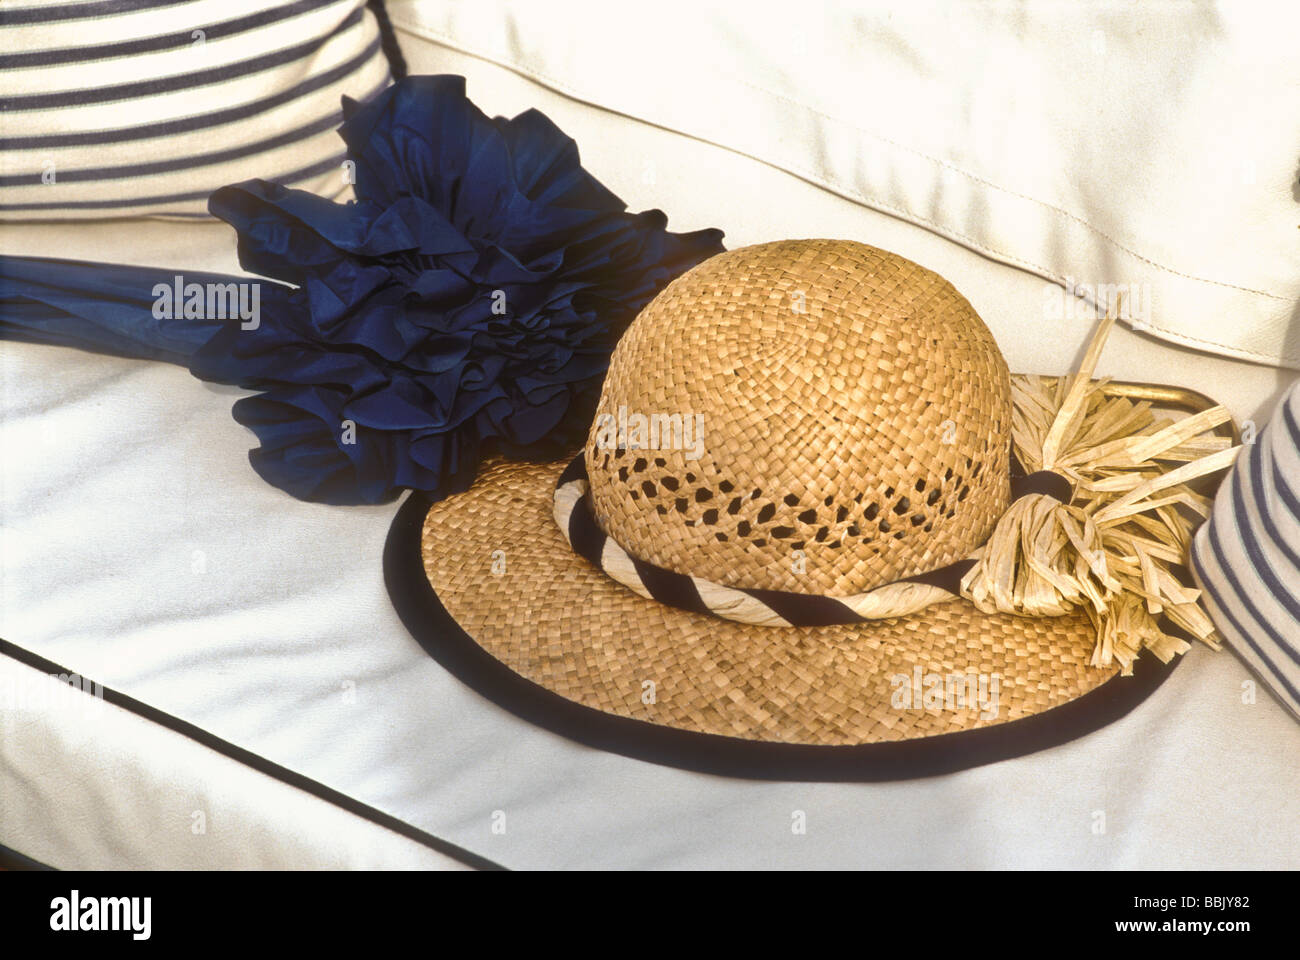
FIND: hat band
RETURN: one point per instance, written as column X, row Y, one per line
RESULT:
column 780, row 608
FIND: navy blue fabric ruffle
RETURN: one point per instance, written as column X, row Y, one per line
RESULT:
column 466, row 303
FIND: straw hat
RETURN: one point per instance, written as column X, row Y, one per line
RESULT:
column 818, row 531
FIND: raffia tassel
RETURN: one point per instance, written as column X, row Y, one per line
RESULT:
column 1112, row 549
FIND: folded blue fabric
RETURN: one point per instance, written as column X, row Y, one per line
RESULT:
column 465, row 304
column 1247, row 557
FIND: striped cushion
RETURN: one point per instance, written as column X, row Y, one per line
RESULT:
column 1247, row 557
column 112, row 108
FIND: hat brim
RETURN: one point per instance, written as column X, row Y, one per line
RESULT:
column 488, row 586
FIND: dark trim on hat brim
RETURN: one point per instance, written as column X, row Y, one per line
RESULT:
column 443, row 639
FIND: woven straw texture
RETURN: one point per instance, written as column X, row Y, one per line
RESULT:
column 553, row 618
column 853, row 417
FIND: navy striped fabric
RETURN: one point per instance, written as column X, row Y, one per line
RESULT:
column 144, row 107
column 1247, row 557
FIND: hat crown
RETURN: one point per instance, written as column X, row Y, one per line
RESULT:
column 817, row 416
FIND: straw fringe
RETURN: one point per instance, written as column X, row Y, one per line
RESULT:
column 1112, row 549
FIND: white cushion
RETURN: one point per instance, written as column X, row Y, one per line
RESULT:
column 1101, row 145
